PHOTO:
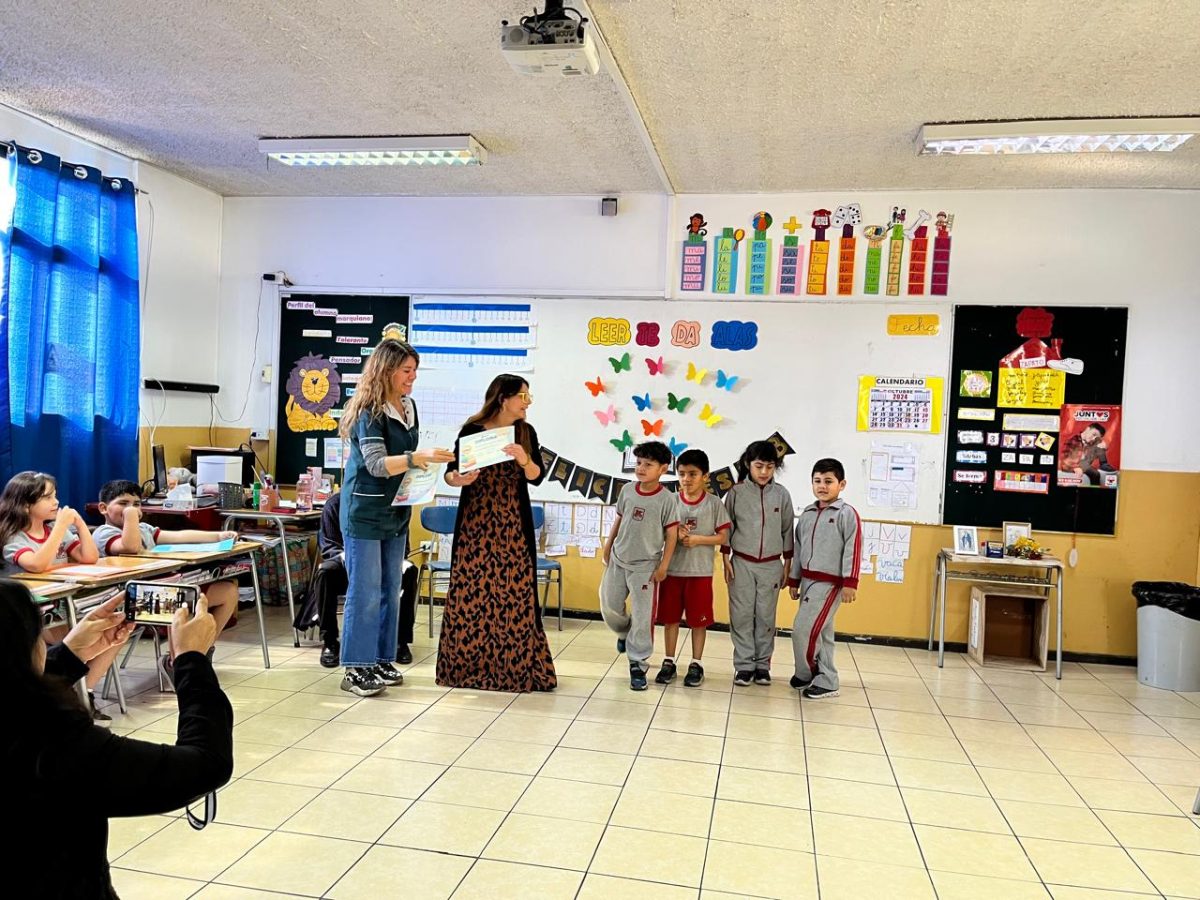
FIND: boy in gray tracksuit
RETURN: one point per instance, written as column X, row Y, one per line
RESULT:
column 824, row 575
column 637, row 555
column 756, row 560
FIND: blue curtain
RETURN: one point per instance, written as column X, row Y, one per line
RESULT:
column 69, row 325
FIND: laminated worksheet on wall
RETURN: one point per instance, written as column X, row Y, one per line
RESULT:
column 893, row 475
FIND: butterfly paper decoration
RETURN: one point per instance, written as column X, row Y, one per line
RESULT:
column 654, row 427
column 679, row 404
column 708, row 416
column 696, row 375
column 624, row 443
column 656, row 366
column 643, row 402
column 606, row 417
column 596, row 387
column 676, row 447
column 726, row 381
column 622, row 364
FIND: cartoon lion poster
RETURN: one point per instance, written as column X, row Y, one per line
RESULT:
column 314, row 387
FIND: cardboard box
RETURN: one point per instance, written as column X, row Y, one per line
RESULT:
column 1009, row 628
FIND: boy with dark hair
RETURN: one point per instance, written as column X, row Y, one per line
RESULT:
column 703, row 526
column 824, row 575
column 637, row 555
column 124, row 532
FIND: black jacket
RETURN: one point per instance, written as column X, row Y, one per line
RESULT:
column 62, row 790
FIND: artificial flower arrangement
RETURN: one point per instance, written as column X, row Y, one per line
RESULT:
column 1026, row 548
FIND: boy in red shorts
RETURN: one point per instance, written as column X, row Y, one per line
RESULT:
column 703, row 526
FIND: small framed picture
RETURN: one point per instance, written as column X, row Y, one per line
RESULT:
column 1016, row 530
column 966, row 540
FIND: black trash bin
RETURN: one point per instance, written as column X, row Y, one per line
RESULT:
column 1168, row 623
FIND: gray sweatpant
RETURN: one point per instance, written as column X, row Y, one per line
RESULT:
column 621, row 583
column 753, row 598
column 812, row 632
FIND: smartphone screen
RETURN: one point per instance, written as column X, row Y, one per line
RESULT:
column 150, row 601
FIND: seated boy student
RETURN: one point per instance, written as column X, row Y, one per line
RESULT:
column 124, row 532
column 824, row 575
column 637, row 556
column 688, row 588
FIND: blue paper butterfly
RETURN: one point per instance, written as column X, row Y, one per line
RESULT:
column 676, row 447
column 726, row 381
column 643, row 402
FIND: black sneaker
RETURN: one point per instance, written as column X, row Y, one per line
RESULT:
column 97, row 716
column 637, row 678
column 388, row 674
column 741, row 679
column 695, row 675
column 812, row 692
column 331, row 657
column 363, row 682
column 403, row 655
column 620, row 645
column 667, row 673
column 799, row 683
column 762, row 676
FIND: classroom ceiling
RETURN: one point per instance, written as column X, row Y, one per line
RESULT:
column 751, row 96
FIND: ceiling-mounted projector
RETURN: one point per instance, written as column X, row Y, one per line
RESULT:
column 551, row 43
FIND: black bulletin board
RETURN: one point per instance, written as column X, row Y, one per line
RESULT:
column 323, row 335
column 985, row 335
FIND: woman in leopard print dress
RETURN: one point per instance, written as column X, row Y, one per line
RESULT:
column 492, row 637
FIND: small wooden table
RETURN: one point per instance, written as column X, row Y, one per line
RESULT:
column 1044, row 574
column 118, row 569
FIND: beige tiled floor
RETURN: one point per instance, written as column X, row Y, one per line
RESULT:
column 917, row 782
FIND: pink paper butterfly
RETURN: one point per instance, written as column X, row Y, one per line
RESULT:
column 606, row 417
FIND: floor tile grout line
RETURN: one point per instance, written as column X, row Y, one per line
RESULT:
column 990, row 795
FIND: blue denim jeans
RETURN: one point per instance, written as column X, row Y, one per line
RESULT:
column 372, row 610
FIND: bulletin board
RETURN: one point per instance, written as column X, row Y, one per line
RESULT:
column 747, row 370
column 1034, row 429
column 324, row 340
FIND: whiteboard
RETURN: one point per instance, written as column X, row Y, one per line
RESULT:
column 801, row 380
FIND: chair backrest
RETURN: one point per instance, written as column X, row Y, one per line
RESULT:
column 439, row 519
column 539, row 517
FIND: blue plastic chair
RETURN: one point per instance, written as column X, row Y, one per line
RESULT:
column 439, row 520
column 548, row 571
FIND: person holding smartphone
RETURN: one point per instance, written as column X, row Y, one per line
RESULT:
column 67, row 776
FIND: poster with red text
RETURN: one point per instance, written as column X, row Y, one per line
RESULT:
column 1089, row 448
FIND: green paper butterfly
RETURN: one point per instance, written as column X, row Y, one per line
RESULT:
column 624, row 443
column 622, row 364
column 678, row 404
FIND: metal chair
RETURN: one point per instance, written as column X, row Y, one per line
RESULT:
column 549, row 571
column 439, row 520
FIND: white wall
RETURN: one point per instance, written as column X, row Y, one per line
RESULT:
column 180, row 264
column 1134, row 248
column 538, row 245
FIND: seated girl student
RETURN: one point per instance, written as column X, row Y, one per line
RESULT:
column 124, row 532
column 28, row 506
column 66, row 777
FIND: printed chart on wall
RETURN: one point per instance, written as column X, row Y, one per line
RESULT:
column 324, row 340
column 1035, row 417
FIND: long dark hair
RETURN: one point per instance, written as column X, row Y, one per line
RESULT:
column 22, row 491
column 44, row 704
column 502, row 388
column 758, row 451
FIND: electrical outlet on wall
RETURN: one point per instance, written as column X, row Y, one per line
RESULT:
column 258, row 434
column 426, row 546
column 267, row 374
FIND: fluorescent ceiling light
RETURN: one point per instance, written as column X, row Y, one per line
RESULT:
column 1058, row 136
column 440, row 150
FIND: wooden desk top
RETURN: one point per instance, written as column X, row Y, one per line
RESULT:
column 1046, row 562
column 110, row 570
column 49, row 590
column 240, row 548
column 284, row 515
